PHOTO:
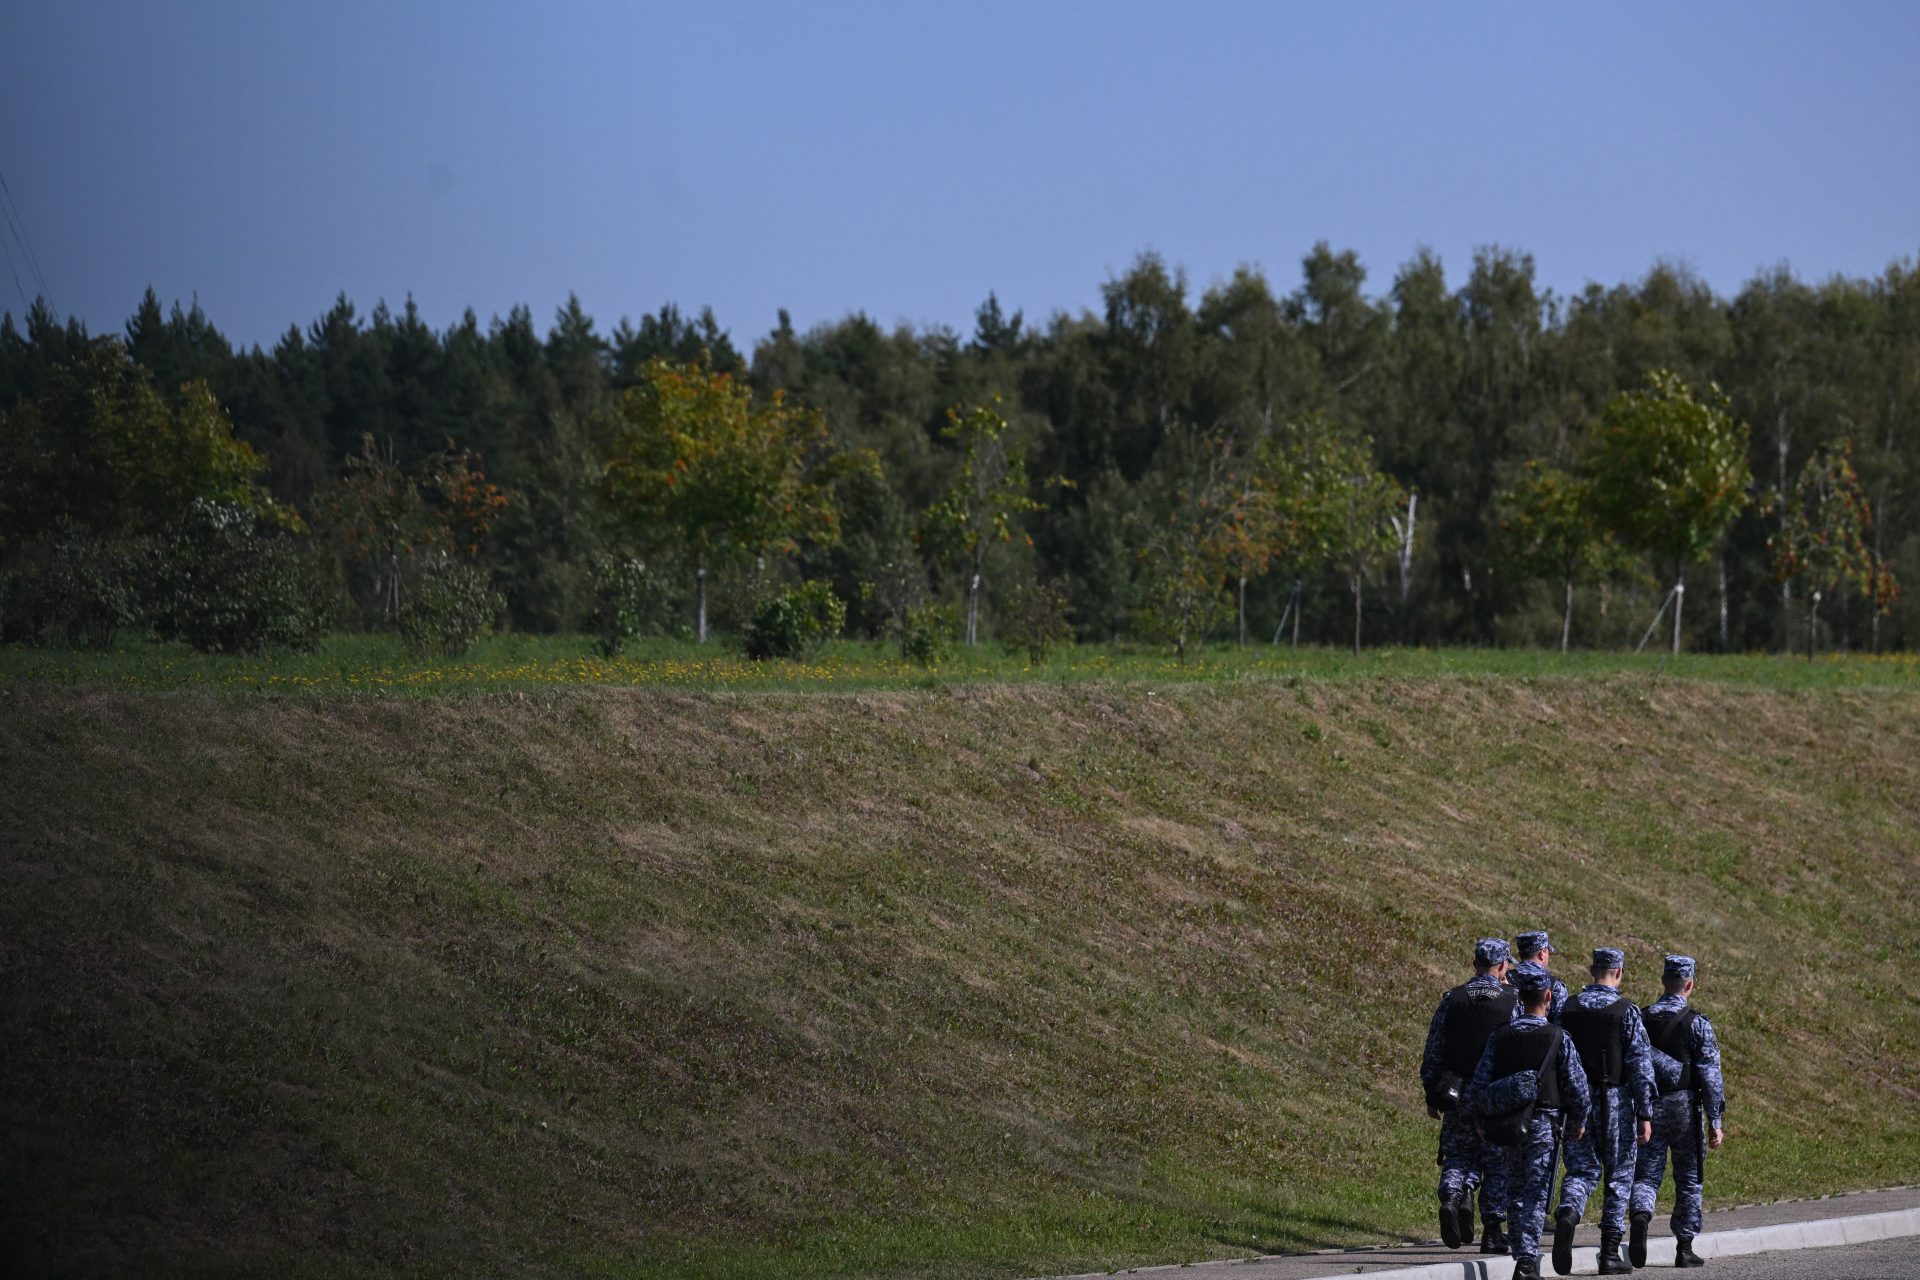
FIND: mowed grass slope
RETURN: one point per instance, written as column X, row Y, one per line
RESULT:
column 983, row 980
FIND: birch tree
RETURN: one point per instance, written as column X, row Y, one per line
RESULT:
column 1366, row 501
column 982, row 506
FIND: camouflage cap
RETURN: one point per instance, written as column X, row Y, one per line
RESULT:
column 1532, row 942
column 1491, row 951
column 1678, row 967
column 1609, row 958
column 1530, row 977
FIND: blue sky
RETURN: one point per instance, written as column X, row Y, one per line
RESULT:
column 902, row 159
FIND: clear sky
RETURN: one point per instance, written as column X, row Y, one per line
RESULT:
column 903, row 158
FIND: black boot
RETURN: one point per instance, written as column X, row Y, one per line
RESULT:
column 1611, row 1263
column 1492, row 1238
column 1563, row 1224
column 1637, row 1239
column 1683, row 1254
column 1450, row 1220
column 1526, row 1269
column 1466, row 1219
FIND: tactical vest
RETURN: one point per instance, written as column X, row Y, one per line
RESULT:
column 1597, row 1034
column 1672, row 1034
column 1470, row 1020
column 1517, row 1049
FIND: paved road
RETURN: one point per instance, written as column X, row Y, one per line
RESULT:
column 1816, row 1262
column 1887, row 1260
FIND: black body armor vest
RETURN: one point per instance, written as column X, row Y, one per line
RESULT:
column 1471, row 1018
column 1518, row 1049
column 1597, row 1034
column 1672, row 1034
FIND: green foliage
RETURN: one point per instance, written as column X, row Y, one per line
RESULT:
column 1304, row 466
column 1365, row 503
column 632, row 598
column 794, row 624
column 1036, row 620
column 693, row 463
column 1668, row 470
column 1669, row 473
column 1456, row 382
column 922, row 633
column 988, row 493
column 74, row 591
column 1548, row 518
column 102, row 453
column 875, row 535
column 1822, row 542
column 1348, row 509
column 1214, row 516
column 1098, row 544
column 387, row 517
column 230, row 581
column 450, row 603
column 983, row 503
column 1551, row 530
column 897, row 596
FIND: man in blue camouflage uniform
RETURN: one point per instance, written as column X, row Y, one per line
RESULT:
column 1533, row 947
column 1467, row 1015
column 1619, row 1064
column 1513, row 1067
column 1686, row 1071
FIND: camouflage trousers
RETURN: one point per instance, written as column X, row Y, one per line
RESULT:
column 1676, row 1132
column 1604, row 1155
column 1529, row 1182
column 1468, row 1161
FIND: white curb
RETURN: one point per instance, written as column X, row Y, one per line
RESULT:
column 1820, row 1233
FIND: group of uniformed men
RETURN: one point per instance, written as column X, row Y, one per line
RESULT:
column 1516, row 1070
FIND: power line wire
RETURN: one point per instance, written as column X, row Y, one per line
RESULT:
column 16, row 223
column 14, row 272
column 33, row 271
column 7, row 226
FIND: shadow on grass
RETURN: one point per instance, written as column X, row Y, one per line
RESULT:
column 1266, row 1230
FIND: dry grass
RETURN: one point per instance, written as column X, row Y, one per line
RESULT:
column 974, row 981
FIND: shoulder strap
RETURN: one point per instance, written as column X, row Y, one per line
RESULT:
column 1672, row 1035
column 1675, row 1031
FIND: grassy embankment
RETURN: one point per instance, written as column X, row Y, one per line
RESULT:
column 376, row 664
column 982, row 980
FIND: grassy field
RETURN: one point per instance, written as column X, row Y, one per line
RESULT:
column 987, row 979
column 350, row 664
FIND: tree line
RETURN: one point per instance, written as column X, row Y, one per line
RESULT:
column 1480, row 463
